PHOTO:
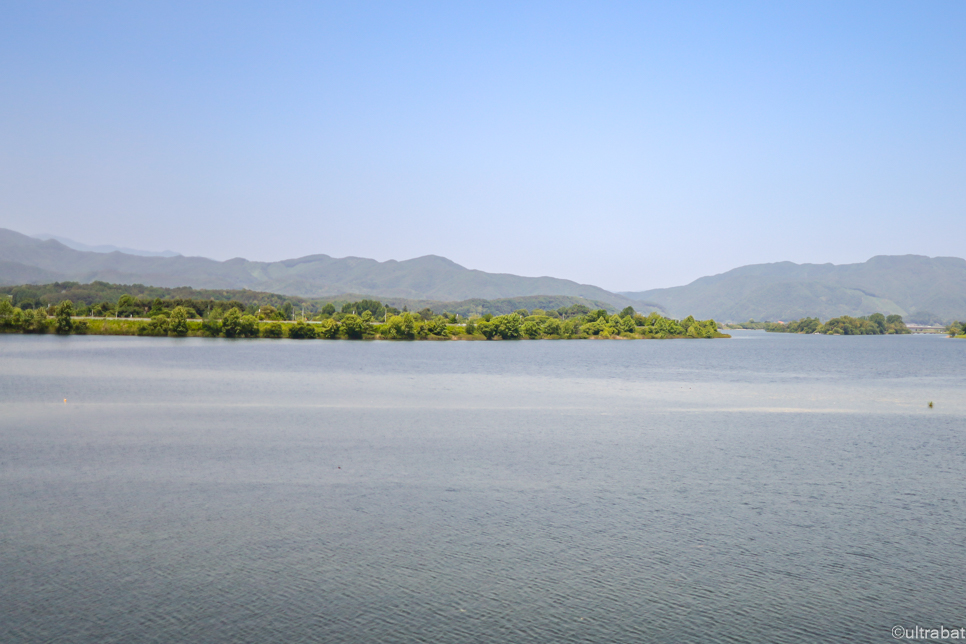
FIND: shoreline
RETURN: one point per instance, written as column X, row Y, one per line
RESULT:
column 282, row 329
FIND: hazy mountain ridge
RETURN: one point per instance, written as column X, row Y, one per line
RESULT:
column 434, row 278
column 12, row 273
column 910, row 285
column 105, row 248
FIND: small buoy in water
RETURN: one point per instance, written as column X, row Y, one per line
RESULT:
column 65, row 402
column 930, row 404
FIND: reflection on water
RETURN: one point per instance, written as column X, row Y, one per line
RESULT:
column 768, row 488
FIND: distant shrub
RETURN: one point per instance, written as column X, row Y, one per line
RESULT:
column 6, row 313
column 231, row 323
column 328, row 329
column 437, row 326
column 157, row 326
column 211, row 328
column 508, row 326
column 530, row 329
column 248, row 327
column 401, row 327
column 36, row 321
column 18, row 319
column 178, row 323
column 551, row 327
column 273, row 330
column 487, row 329
column 301, row 330
column 354, row 327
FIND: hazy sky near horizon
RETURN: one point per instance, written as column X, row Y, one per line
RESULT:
column 628, row 145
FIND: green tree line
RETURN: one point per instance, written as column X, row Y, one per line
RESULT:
column 362, row 320
column 875, row 324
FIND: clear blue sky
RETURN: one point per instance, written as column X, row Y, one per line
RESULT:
column 628, row 145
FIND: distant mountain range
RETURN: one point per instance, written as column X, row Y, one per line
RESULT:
column 25, row 259
column 105, row 248
column 921, row 289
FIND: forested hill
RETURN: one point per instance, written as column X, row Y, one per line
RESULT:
column 921, row 289
column 24, row 259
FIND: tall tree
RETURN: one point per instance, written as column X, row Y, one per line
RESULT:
column 64, row 313
column 231, row 323
column 178, row 323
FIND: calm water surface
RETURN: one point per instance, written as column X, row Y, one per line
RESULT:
column 768, row 488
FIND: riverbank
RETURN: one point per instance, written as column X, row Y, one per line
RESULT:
column 495, row 329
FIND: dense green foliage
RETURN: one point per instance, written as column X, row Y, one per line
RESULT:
column 100, row 299
column 273, row 330
column 957, row 330
column 875, row 324
column 178, row 323
column 302, row 330
column 750, row 324
column 576, row 321
column 65, row 319
column 805, row 325
column 373, row 307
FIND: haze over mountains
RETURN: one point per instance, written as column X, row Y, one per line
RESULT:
column 24, row 259
column 916, row 287
column 105, row 248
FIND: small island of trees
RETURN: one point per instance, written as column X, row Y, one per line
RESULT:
column 875, row 324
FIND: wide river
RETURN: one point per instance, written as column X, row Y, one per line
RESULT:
column 769, row 488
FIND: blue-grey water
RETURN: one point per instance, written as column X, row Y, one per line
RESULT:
column 769, row 488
